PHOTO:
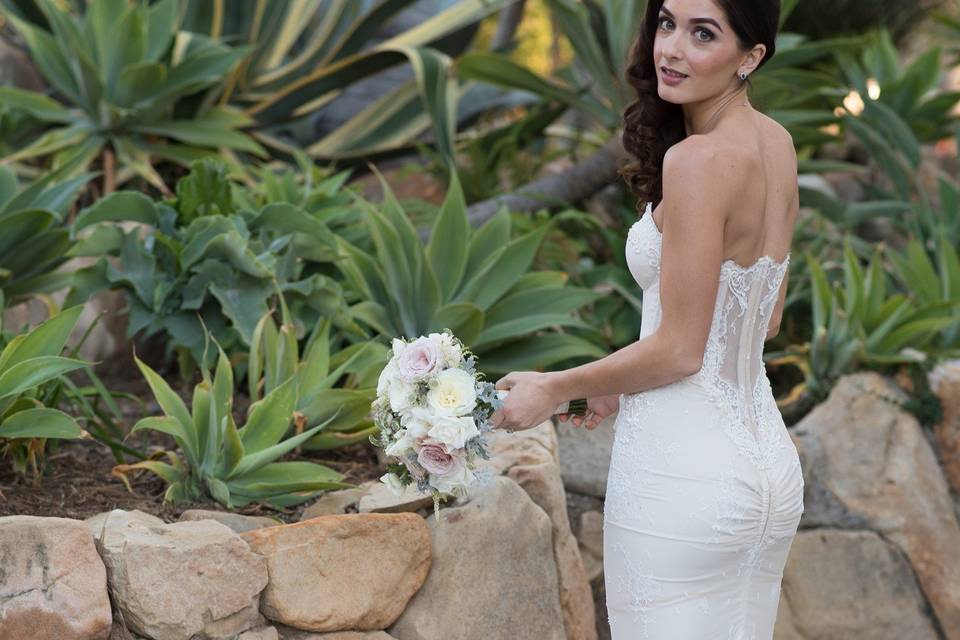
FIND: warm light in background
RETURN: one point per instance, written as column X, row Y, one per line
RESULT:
column 853, row 103
column 873, row 88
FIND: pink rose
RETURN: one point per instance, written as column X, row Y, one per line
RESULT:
column 435, row 459
column 420, row 358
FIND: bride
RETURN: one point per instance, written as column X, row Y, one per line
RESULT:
column 705, row 490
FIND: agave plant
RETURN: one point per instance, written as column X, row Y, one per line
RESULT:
column 27, row 364
column 233, row 465
column 34, row 238
column 306, row 53
column 911, row 91
column 274, row 358
column 858, row 324
column 120, row 72
column 474, row 283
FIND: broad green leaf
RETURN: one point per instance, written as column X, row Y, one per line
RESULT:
column 171, row 404
column 40, row 423
column 269, row 419
column 282, row 477
column 447, row 248
column 122, row 206
column 30, row 373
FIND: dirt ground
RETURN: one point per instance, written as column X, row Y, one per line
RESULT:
column 77, row 482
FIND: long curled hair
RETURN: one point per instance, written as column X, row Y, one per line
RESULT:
column 651, row 124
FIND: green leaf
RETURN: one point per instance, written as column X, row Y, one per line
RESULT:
column 171, row 426
column 285, row 477
column 270, row 418
column 40, row 423
column 36, row 104
column 256, row 460
column 171, row 404
column 203, row 134
column 47, row 339
column 33, row 372
column 447, row 248
column 122, row 206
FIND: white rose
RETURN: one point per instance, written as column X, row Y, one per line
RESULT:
column 400, row 394
column 387, row 376
column 398, row 347
column 452, row 354
column 393, row 483
column 401, row 445
column 417, row 421
column 453, row 431
column 454, row 393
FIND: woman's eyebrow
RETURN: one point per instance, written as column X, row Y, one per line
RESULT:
column 694, row 20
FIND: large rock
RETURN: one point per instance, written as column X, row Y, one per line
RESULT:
column 343, row 572
column 381, row 499
column 849, row 584
column 530, row 458
column 238, row 523
column 337, row 502
column 591, row 543
column 288, row 633
column 52, row 582
column 945, row 383
column 493, row 573
column 585, row 456
column 196, row 580
column 868, row 463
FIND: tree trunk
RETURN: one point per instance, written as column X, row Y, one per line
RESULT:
column 558, row 189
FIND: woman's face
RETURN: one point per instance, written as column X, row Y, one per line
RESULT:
column 694, row 38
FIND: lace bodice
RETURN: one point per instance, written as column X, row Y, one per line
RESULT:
column 733, row 370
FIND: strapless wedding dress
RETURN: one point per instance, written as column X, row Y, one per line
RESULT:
column 705, row 489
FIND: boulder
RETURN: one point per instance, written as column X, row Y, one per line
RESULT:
column 591, row 543
column 866, row 462
column 195, row 580
column 493, row 573
column 288, row 633
column 238, row 523
column 380, row 499
column 262, row 633
column 336, row 502
column 849, row 584
column 530, row 458
column 585, row 456
column 945, row 383
column 342, row 572
column 52, row 581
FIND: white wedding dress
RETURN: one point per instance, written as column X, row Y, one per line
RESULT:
column 705, row 489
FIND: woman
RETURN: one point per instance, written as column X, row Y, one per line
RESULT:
column 705, row 489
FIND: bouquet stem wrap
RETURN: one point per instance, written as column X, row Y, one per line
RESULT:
column 577, row 407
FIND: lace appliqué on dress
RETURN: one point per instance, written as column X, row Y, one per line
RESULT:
column 638, row 585
column 762, row 447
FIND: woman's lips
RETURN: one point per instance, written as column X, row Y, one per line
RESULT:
column 671, row 77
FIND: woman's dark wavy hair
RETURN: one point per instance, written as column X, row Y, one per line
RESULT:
column 651, row 124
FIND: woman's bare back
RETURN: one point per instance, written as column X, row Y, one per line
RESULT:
column 764, row 224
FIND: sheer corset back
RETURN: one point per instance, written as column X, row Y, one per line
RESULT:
column 733, row 370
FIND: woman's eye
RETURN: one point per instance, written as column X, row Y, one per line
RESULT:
column 706, row 31
column 662, row 20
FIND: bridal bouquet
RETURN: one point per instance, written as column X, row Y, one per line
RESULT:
column 432, row 409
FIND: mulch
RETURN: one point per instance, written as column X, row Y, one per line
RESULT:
column 77, row 482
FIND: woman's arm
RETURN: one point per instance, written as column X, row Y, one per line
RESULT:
column 701, row 184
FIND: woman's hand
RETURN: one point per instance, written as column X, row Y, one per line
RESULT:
column 597, row 409
column 531, row 401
